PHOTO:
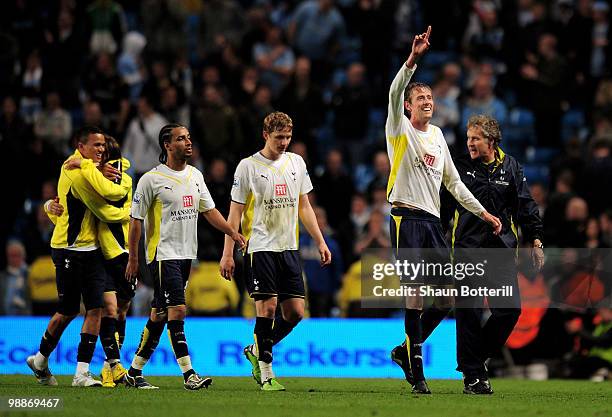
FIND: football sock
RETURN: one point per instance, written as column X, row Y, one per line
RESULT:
column 86, row 347
column 431, row 318
column 414, row 342
column 108, row 340
column 281, row 329
column 120, row 327
column 148, row 342
column 176, row 333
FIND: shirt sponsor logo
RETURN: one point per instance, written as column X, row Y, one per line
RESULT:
column 280, row 190
column 187, row 201
column 429, row 160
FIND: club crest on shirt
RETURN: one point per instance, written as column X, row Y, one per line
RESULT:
column 429, row 160
column 280, row 190
column 187, row 201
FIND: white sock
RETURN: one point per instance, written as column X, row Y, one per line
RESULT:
column 266, row 371
column 184, row 363
column 82, row 368
column 40, row 361
column 139, row 362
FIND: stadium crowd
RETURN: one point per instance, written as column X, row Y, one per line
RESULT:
column 541, row 68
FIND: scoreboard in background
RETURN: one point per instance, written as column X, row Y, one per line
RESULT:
column 316, row 348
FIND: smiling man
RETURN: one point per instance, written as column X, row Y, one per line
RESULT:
column 76, row 255
column 497, row 180
column 168, row 199
column 420, row 163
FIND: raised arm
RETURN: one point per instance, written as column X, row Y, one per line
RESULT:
column 420, row 44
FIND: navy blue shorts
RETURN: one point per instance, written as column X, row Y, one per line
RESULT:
column 79, row 273
column 115, row 278
column 274, row 274
column 169, row 282
column 416, row 229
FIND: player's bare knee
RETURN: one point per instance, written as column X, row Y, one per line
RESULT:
column 294, row 316
column 177, row 312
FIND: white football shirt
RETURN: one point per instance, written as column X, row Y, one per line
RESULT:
column 271, row 192
column 420, row 161
column 169, row 202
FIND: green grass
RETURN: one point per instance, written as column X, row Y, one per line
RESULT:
column 319, row 397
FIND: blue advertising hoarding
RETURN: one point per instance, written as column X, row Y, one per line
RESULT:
column 316, row 348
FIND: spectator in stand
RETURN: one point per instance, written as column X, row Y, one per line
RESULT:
column 597, row 171
column 573, row 229
column 372, row 21
column 130, row 66
column 216, row 126
column 220, row 21
column 105, row 86
column 31, row 84
column 252, row 116
column 37, row 234
column 594, row 360
column 158, row 82
column 92, row 115
column 322, row 283
column 483, row 101
column 382, row 169
column 274, row 59
column 334, row 188
column 106, row 25
column 14, row 133
column 446, row 90
column 13, row 288
column 556, row 207
column 375, row 236
column 605, row 223
column 141, row 145
column 163, row 22
column 540, row 195
column 351, row 106
column 353, row 226
column 54, row 125
column 173, row 107
column 544, row 85
column 316, row 31
column 485, row 36
column 303, row 100
column 219, row 183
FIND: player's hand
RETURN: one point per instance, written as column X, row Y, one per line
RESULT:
column 239, row 240
column 131, row 271
column 537, row 255
column 73, row 163
column 110, row 172
column 420, row 44
column 54, row 207
column 493, row 221
column 226, row 267
column 325, row 254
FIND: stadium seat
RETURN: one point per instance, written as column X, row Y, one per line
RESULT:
column 540, row 155
column 536, row 173
column 573, row 124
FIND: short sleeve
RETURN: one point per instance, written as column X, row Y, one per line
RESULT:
column 143, row 197
column 206, row 201
column 306, row 182
column 240, row 186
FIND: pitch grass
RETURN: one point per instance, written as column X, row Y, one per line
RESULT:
column 312, row 397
